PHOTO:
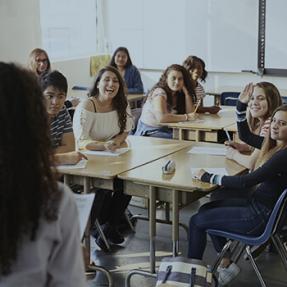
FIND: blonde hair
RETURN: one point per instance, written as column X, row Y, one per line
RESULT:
column 32, row 64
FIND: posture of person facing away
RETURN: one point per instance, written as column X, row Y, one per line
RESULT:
column 38, row 244
column 172, row 99
column 103, row 122
column 122, row 61
column 244, row 215
column 196, row 67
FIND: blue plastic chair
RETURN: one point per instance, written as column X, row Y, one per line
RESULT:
column 272, row 231
column 229, row 98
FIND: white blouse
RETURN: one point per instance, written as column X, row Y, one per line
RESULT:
column 55, row 258
column 93, row 126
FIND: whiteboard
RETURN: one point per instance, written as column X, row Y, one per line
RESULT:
column 275, row 35
column 158, row 33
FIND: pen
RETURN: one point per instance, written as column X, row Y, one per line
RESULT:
column 167, row 272
column 197, row 106
column 228, row 136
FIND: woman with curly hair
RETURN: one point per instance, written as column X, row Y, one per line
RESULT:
column 38, row 245
column 122, row 61
column 172, row 99
column 103, row 122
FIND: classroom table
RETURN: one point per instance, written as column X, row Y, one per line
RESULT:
column 232, row 130
column 135, row 100
column 102, row 171
column 206, row 127
column 148, row 181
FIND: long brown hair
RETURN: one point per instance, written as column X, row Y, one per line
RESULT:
column 274, row 100
column 180, row 99
column 28, row 189
column 269, row 146
column 119, row 102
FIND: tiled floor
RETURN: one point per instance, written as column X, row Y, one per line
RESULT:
column 134, row 253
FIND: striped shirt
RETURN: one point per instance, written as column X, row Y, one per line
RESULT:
column 199, row 92
column 60, row 125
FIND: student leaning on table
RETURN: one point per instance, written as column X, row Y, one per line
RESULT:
column 38, row 245
column 244, row 215
column 172, row 99
column 103, row 122
column 196, row 67
column 122, row 61
column 54, row 86
column 255, row 105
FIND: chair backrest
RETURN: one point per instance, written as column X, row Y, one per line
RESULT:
column 284, row 99
column 278, row 212
column 229, row 98
column 136, row 113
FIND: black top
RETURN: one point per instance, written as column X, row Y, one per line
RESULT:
column 272, row 177
column 243, row 128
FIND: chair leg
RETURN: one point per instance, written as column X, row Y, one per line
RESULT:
column 103, row 270
column 248, row 251
column 130, row 223
column 138, row 272
column 221, row 255
column 280, row 248
column 98, row 226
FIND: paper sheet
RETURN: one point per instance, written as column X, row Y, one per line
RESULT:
column 214, row 170
column 84, row 205
column 117, row 152
column 81, row 164
column 208, row 150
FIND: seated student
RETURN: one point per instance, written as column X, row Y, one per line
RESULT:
column 40, row 64
column 196, row 67
column 38, row 244
column 172, row 99
column 54, row 86
column 262, row 99
column 122, row 61
column 103, row 122
column 244, row 215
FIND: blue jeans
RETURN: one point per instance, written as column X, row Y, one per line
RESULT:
column 239, row 215
column 149, row 131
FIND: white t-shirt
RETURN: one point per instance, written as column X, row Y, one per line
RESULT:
column 55, row 258
column 93, row 126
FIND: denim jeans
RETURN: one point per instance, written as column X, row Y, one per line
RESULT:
column 149, row 131
column 239, row 215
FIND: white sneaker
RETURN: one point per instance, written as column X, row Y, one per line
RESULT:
column 226, row 275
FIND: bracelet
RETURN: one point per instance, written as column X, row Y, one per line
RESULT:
column 186, row 117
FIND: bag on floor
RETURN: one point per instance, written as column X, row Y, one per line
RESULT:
column 184, row 272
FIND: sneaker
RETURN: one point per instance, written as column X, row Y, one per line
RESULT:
column 112, row 234
column 227, row 274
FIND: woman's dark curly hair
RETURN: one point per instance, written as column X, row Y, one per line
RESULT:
column 28, row 189
column 192, row 62
column 119, row 102
column 121, row 49
column 162, row 83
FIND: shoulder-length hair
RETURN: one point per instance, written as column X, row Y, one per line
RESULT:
column 274, row 100
column 180, row 99
column 269, row 146
column 124, row 50
column 119, row 102
column 32, row 64
column 192, row 62
column 28, row 189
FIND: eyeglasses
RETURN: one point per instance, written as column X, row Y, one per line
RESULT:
column 44, row 61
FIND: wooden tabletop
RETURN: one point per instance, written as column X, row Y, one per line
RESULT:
column 142, row 150
column 231, row 128
column 225, row 117
column 134, row 97
column 181, row 179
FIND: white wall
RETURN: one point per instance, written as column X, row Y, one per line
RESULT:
column 20, row 33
